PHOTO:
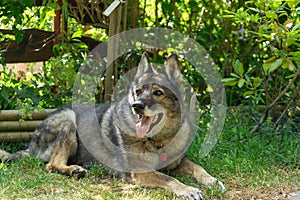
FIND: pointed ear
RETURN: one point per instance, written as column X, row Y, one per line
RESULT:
column 172, row 68
column 144, row 65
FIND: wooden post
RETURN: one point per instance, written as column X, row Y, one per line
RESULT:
column 112, row 51
column 60, row 21
column 15, row 136
column 12, row 129
column 16, row 115
column 6, row 126
column 56, row 22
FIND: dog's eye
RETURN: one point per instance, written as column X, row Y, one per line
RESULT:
column 158, row 93
column 138, row 92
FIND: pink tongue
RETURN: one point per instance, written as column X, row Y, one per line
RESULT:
column 142, row 127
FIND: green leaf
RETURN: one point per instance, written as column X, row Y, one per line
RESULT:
column 230, row 81
column 296, row 27
column 288, row 64
column 56, row 50
column 295, row 54
column 241, row 83
column 238, row 67
column 250, row 92
column 269, row 67
column 271, row 15
column 193, row 4
column 167, row 6
column 292, row 4
column 288, row 42
column 77, row 34
column 256, row 82
column 292, row 67
column 290, row 76
column 235, row 75
column 19, row 37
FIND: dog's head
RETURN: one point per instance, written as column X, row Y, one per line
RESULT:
column 155, row 96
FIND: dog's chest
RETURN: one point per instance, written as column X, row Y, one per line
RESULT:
column 146, row 145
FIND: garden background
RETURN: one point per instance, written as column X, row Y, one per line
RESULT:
column 254, row 44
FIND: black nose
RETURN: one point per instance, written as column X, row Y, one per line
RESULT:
column 139, row 105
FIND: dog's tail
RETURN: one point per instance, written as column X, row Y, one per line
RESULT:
column 6, row 156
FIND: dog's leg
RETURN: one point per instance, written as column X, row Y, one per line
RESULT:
column 197, row 172
column 59, row 158
column 157, row 179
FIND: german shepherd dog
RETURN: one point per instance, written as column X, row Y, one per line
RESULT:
column 150, row 120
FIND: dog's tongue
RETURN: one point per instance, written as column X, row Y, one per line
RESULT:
column 142, row 127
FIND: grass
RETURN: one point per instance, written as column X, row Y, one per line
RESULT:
column 261, row 166
column 26, row 178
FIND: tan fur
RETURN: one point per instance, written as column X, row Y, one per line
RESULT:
column 60, row 155
column 198, row 173
column 158, row 179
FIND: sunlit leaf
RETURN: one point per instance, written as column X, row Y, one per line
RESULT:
column 230, row 81
column 271, row 15
column 290, row 76
column 269, row 67
column 238, row 67
column 250, row 92
column 241, row 82
column 256, row 82
column 235, row 75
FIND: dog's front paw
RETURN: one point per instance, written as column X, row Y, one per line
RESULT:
column 189, row 193
column 220, row 186
column 79, row 171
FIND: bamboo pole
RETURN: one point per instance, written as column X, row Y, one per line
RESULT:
column 15, row 115
column 14, row 130
column 19, row 126
column 15, row 136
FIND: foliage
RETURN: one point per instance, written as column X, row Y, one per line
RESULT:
column 275, row 28
column 254, row 44
column 12, row 11
column 50, row 87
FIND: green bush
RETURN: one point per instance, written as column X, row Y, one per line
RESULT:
column 255, row 45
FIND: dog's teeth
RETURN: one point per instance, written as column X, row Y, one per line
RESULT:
column 155, row 118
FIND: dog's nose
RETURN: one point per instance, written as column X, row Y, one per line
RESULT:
column 139, row 105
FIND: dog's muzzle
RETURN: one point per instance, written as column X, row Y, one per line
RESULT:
column 146, row 121
column 139, row 106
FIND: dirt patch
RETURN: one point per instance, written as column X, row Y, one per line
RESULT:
column 236, row 192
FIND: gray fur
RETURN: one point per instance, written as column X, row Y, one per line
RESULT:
column 72, row 136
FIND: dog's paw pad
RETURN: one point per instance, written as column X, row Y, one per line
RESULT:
column 218, row 185
column 190, row 193
column 79, row 171
column 49, row 168
column 221, row 186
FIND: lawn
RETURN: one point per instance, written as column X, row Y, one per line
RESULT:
column 265, row 165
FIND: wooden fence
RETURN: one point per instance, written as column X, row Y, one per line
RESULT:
column 16, row 126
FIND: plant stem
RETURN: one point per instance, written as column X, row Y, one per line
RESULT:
column 264, row 117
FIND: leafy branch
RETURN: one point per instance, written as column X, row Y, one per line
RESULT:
column 266, row 113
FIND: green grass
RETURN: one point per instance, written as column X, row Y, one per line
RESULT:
column 270, row 166
column 261, row 166
column 27, row 178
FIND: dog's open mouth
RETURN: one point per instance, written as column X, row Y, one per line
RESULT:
column 144, row 124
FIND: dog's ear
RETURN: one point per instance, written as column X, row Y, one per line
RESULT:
column 172, row 68
column 144, row 65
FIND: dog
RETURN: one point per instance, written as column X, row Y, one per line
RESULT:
column 137, row 138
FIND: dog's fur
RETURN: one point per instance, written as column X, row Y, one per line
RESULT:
column 149, row 119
